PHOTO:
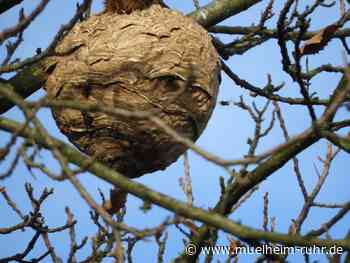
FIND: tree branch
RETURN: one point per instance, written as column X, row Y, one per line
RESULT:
column 218, row 10
column 8, row 4
column 299, row 143
column 26, row 82
column 180, row 208
column 36, row 75
column 341, row 142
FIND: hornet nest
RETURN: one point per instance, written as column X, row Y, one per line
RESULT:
column 151, row 60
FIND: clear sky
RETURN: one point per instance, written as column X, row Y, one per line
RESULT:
column 226, row 135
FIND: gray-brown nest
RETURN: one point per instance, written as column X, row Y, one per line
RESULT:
column 151, row 60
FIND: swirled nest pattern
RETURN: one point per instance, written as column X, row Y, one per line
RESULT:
column 154, row 60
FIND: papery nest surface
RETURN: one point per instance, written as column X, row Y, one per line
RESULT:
column 155, row 60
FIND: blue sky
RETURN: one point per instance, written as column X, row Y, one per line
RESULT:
column 225, row 135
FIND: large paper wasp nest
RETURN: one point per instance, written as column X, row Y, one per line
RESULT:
column 153, row 60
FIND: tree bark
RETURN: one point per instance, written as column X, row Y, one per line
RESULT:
column 8, row 4
column 31, row 79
